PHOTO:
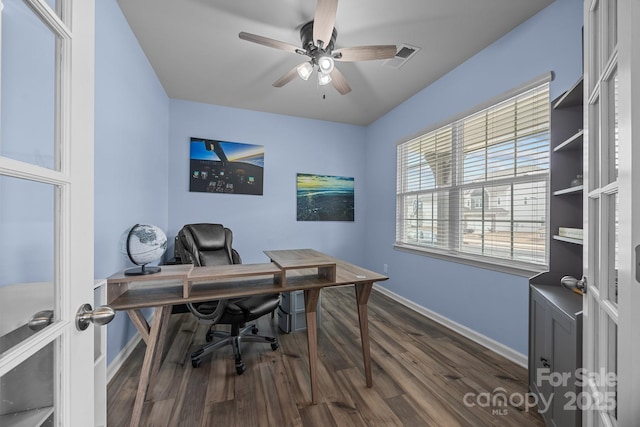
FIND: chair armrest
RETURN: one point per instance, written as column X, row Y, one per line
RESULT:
column 236, row 257
column 211, row 317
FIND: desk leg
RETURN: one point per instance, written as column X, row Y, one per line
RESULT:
column 157, row 360
column 363, row 290
column 147, row 365
column 311, row 308
column 140, row 323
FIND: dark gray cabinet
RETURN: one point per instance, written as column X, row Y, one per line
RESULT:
column 555, row 313
column 555, row 353
column 566, row 158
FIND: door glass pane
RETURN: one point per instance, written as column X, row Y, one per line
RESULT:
column 26, row 259
column 594, row 244
column 610, row 129
column 28, row 87
column 613, row 271
column 594, row 145
column 27, row 391
column 595, row 355
column 612, row 36
column 594, row 45
column 614, row 137
column 55, row 6
column 597, row 422
column 611, row 385
column 52, row 4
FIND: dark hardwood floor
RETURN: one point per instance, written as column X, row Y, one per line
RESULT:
column 423, row 375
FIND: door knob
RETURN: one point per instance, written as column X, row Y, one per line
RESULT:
column 100, row 316
column 571, row 282
column 40, row 320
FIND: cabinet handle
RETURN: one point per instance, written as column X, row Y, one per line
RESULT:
column 545, row 362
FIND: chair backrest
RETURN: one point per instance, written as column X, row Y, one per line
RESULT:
column 204, row 245
column 207, row 244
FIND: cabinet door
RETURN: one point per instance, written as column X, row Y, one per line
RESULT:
column 539, row 353
column 563, row 365
column 553, row 361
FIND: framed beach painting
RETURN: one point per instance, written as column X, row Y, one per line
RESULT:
column 324, row 198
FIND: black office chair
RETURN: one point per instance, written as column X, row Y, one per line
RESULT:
column 211, row 244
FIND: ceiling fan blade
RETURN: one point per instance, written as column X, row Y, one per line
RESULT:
column 365, row 53
column 324, row 21
column 266, row 41
column 287, row 77
column 339, row 82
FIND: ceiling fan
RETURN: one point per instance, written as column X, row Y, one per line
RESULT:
column 318, row 38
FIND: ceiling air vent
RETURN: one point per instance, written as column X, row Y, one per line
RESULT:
column 405, row 52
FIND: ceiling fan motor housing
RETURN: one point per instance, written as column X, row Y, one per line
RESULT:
column 306, row 35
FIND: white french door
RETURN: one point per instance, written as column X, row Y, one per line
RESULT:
column 612, row 202
column 46, row 211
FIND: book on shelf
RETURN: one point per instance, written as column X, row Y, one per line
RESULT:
column 572, row 233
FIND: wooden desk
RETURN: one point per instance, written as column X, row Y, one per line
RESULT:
column 290, row 270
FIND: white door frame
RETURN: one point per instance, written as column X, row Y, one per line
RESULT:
column 612, row 85
column 629, row 239
column 80, row 222
column 72, row 176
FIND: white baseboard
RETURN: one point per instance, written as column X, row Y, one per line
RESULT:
column 122, row 357
column 501, row 349
column 124, row 354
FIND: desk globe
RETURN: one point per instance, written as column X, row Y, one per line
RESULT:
column 143, row 244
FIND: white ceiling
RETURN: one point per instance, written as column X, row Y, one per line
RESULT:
column 194, row 48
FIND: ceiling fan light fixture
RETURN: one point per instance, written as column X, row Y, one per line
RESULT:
column 305, row 70
column 325, row 64
column 318, row 39
column 324, row 79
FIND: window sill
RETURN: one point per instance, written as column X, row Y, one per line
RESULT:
column 515, row 268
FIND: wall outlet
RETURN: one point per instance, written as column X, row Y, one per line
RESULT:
column 385, row 268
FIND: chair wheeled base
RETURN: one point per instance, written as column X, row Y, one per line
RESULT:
column 234, row 338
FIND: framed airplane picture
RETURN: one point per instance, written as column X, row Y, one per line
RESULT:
column 226, row 167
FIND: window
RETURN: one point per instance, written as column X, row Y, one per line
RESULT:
column 478, row 187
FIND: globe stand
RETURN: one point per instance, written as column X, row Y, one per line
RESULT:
column 142, row 270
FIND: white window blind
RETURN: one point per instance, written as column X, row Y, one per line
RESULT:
column 478, row 187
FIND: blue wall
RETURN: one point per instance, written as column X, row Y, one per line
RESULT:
column 138, row 129
column 292, row 145
column 131, row 150
column 142, row 168
column 491, row 303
